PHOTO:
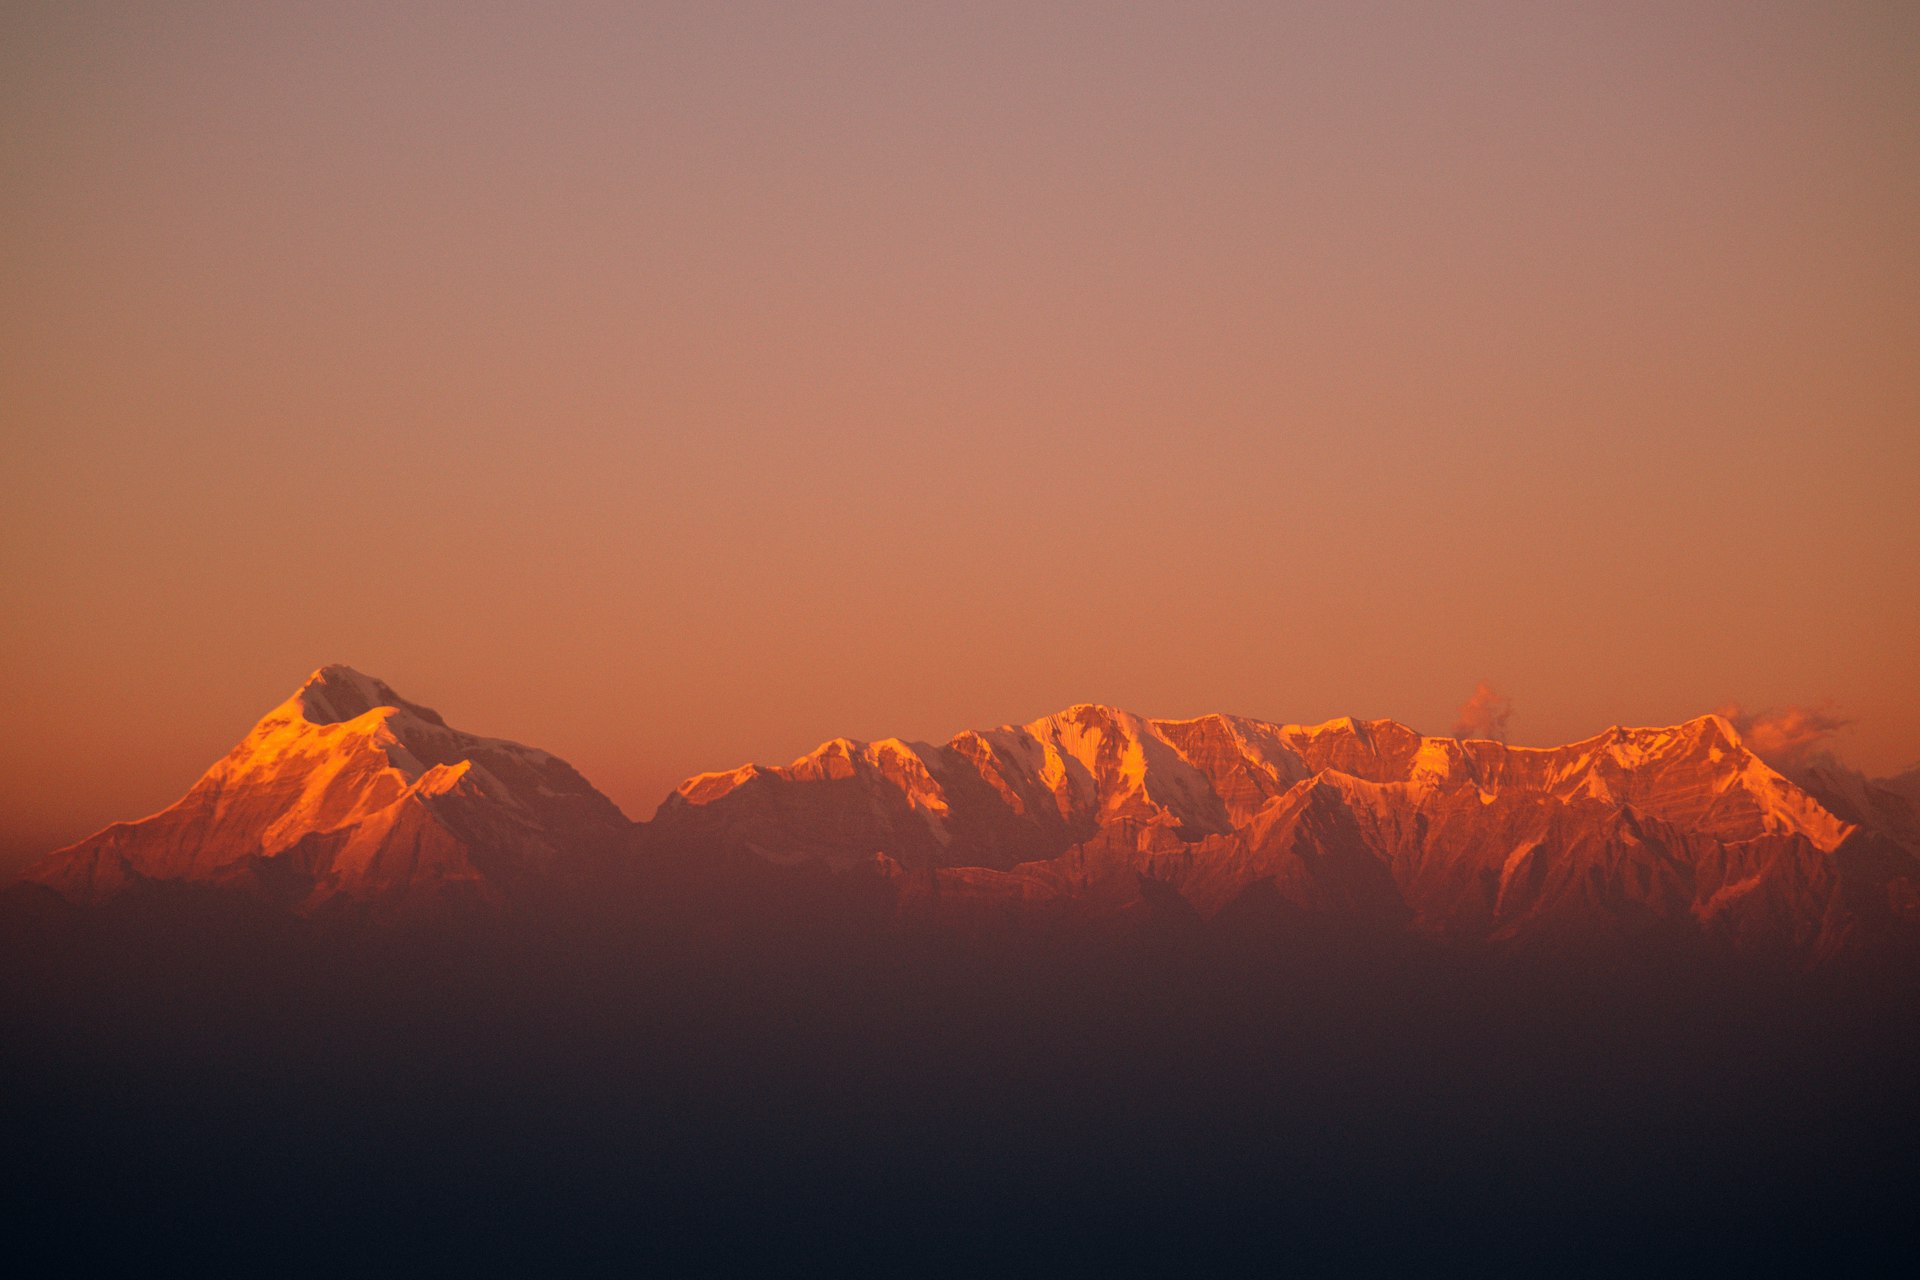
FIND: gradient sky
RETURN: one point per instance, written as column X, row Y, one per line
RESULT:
column 676, row 385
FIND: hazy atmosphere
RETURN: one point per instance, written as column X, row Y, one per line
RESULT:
column 672, row 386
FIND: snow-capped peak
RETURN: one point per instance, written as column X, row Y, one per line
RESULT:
column 337, row 693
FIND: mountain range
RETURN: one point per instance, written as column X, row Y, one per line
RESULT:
column 347, row 800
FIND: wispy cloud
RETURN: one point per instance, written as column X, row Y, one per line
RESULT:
column 1786, row 737
column 1484, row 714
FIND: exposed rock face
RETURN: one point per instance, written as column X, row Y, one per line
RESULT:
column 347, row 795
column 1094, row 810
column 993, row 799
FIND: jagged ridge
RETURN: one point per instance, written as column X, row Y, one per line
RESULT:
column 1680, row 827
column 349, row 794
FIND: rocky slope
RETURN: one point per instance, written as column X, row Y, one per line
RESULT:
column 1096, row 811
column 347, row 795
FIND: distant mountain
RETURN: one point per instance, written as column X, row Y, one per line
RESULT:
column 1095, row 811
column 1887, row 805
column 347, row 797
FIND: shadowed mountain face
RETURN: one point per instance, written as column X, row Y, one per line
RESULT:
column 348, row 796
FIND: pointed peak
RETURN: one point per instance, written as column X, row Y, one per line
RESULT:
column 900, row 747
column 1712, row 730
column 1365, row 730
column 1093, row 715
column 443, row 779
column 337, row 693
column 841, row 748
column 1712, row 725
column 1090, row 711
column 1218, row 719
column 703, row 788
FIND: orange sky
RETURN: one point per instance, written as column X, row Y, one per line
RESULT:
column 676, row 385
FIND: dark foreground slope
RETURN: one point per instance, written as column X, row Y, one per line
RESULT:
column 775, row 1080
